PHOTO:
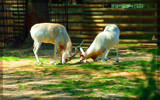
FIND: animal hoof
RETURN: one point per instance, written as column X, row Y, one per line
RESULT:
column 55, row 63
column 95, row 60
column 102, row 60
column 86, row 62
column 40, row 63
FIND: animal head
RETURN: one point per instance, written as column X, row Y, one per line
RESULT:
column 65, row 50
column 66, row 56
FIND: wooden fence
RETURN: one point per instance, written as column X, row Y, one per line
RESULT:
column 12, row 20
column 85, row 21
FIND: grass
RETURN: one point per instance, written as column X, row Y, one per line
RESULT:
column 86, row 86
column 121, row 66
column 22, row 86
column 150, row 51
column 91, row 79
column 26, row 72
column 13, row 58
column 9, row 58
column 115, row 85
column 138, row 44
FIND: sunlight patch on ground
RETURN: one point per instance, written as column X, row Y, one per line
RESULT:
column 26, row 78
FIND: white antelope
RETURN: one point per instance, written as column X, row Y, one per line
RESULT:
column 102, row 44
column 55, row 34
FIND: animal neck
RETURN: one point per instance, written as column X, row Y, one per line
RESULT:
column 90, row 51
column 88, row 54
column 69, row 45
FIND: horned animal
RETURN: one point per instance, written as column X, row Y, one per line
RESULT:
column 102, row 44
column 55, row 34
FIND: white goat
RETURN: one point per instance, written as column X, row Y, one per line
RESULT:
column 55, row 34
column 102, row 44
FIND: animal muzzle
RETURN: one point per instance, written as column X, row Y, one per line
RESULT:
column 69, row 59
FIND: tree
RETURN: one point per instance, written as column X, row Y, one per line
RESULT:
column 38, row 12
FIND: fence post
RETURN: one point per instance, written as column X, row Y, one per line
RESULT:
column 1, row 54
column 158, row 28
column 158, row 46
column 158, row 35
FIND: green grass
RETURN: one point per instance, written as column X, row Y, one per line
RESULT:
column 25, row 72
column 13, row 58
column 95, row 78
column 129, row 44
column 121, row 66
column 22, row 86
column 105, row 85
column 137, row 63
column 115, row 85
column 123, row 55
column 30, row 58
column 86, row 85
column 129, row 55
column 10, row 58
column 150, row 51
column 94, row 66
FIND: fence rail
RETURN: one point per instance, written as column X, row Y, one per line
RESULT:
column 121, row 1
column 88, row 19
column 12, row 22
column 85, row 21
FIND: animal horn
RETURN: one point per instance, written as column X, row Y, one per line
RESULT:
column 76, row 50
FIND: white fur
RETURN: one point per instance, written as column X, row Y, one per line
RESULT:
column 51, row 33
column 103, row 42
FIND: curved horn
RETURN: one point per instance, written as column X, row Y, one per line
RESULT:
column 76, row 50
column 80, row 44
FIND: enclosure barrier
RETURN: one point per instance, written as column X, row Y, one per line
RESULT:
column 12, row 20
column 137, row 19
column 137, row 24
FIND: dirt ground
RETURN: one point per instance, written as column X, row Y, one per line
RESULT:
column 21, row 76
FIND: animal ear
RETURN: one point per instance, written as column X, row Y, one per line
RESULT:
column 82, row 51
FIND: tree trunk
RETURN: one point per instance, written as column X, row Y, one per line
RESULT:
column 38, row 12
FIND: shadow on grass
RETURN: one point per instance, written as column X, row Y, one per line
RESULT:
column 87, row 89
column 80, row 89
column 121, row 66
column 151, row 51
column 149, row 91
column 72, row 98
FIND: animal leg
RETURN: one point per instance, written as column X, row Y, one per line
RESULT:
column 55, row 52
column 35, row 50
column 117, row 53
column 104, row 55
